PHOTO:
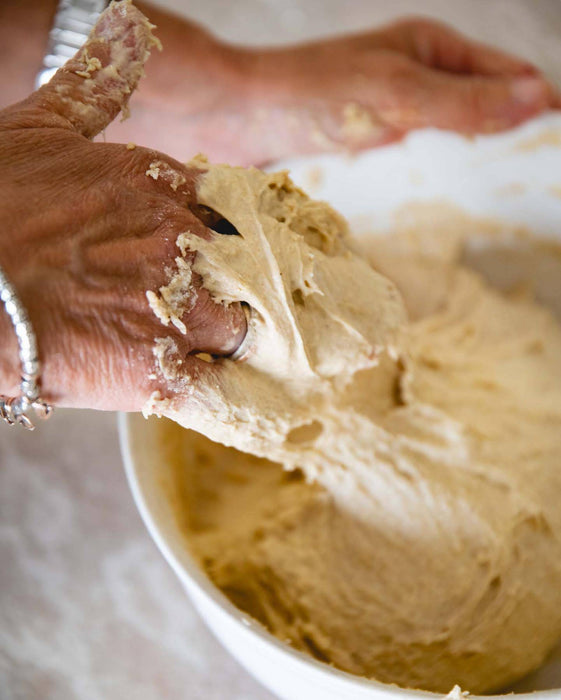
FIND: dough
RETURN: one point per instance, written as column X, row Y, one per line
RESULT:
column 413, row 533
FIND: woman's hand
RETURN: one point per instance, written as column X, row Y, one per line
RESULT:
column 87, row 230
column 371, row 89
column 253, row 105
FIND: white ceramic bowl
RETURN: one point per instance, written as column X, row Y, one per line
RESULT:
column 515, row 178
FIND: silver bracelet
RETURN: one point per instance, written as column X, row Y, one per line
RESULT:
column 72, row 25
column 13, row 410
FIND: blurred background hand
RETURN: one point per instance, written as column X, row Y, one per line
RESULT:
column 370, row 89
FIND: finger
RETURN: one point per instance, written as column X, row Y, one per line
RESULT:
column 419, row 97
column 175, row 292
column 88, row 92
column 436, row 45
column 214, row 328
column 195, row 319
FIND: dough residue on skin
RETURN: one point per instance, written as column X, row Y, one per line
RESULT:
column 124, row 36
column 358, row 125
column 92, row 64
column 175, row 299
column 159, row 169
column 413, row 533
column 154, row 170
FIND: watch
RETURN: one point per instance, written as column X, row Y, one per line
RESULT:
column 72, row 25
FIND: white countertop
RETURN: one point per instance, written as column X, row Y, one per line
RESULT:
column 88, row 607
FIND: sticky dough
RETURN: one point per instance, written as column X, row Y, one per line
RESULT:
column 414, row 534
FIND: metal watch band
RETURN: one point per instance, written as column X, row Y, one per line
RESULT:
column 73, row 22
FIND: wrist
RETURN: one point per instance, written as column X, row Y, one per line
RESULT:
column 15, row 408
column 194, row 69
column 273, row 76
column 16, row 269
column 10, row 372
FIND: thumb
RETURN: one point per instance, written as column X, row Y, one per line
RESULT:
column 88, row 92
column 468, row 104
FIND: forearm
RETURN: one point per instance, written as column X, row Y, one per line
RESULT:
column 18, row 262
column 24, row 28
column 9, row 372
column 193, row 65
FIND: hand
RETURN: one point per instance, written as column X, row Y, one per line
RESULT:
column 86, row 232
column 252, row 106
column 371, row 89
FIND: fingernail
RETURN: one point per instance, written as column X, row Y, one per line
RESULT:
column 527, row 90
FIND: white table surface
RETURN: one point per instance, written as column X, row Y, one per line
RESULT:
column 88, row 608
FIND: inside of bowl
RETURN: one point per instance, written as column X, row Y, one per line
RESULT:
column 508, row 263
column 167, row 509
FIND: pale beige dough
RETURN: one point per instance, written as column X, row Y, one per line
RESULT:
column 417, row 537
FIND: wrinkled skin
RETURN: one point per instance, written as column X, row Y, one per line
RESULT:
column 86, row 232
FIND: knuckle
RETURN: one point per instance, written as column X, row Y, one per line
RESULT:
column 154, row 169
column 139, row 160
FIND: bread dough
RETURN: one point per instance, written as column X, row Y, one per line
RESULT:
column 414, row 534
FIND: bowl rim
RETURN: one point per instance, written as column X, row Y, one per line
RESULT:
column 191, row 575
